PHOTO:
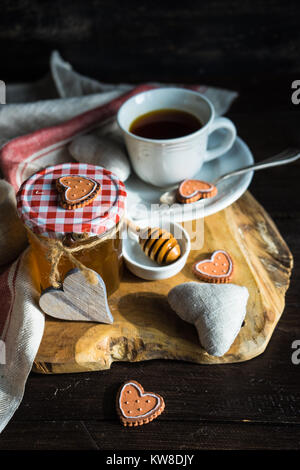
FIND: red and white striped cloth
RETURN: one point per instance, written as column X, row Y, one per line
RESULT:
column 33, row 135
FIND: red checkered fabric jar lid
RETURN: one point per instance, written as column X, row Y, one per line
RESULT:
column 39, row 208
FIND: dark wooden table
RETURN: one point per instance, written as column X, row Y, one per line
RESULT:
column 251, row 405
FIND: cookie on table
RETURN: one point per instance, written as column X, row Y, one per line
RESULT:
column 136, row 407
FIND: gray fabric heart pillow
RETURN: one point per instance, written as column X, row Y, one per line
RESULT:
column 216, row 310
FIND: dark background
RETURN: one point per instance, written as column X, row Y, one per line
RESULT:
column 155, row 40
column 248, row 46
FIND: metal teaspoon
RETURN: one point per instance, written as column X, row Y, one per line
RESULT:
column 286, row 156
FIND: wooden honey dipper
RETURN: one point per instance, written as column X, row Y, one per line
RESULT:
column 157, row 243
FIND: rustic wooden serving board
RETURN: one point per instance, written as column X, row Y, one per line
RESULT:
column 146, row 328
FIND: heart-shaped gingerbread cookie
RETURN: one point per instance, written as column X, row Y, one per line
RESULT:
column 193, row 190
column 219, row 268
column 77, row 191
column 135, row 406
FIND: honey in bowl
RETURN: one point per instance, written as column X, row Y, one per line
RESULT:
column 165, row 124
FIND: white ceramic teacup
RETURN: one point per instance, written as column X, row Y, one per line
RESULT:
column 169, row 161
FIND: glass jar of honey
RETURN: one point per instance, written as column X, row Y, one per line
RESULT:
column 73, row 213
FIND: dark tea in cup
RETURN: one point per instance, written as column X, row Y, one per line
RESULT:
column 165, row 124
column 166, row 132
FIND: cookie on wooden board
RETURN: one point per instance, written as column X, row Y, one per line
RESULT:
column 217, row 269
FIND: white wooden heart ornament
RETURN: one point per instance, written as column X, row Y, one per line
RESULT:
column 216, row 310
column 77, row 300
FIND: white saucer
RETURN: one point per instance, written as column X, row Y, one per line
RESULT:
column 142, row 195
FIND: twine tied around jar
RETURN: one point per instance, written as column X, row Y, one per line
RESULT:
column 56, row 249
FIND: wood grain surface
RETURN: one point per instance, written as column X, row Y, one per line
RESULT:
column 77, row 300
column 146, row 328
